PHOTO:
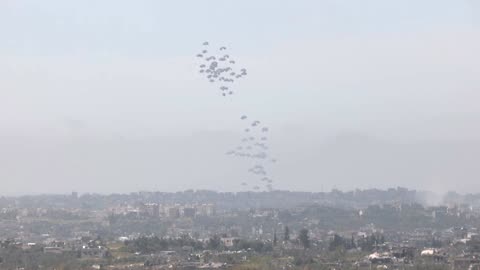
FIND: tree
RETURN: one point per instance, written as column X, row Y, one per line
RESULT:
column 215, row 242
column 286, row 234
column 369, row 243
column 337, row 243
column 275, row 237
column 304, row 238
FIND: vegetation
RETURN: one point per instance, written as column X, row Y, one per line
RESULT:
column 304, row 238
column 286, row 234
column 147, row 245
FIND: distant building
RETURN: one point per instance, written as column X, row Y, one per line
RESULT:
column 189, row 212
column 54, row 250
column 207, row 210
column 229, row 241
column 93, row 252
column 152, row 209
column 174, row 212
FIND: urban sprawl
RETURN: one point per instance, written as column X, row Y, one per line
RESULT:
column 362, row 229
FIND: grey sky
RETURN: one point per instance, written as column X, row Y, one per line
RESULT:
column 104, row 96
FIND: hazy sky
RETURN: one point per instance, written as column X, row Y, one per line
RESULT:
column 104, row 95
